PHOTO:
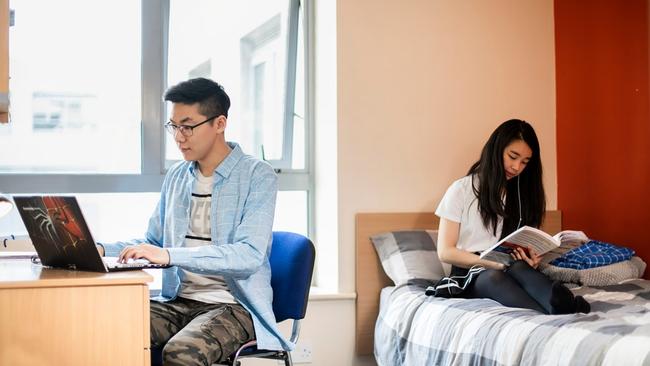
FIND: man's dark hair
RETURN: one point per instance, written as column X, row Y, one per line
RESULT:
column 212, row 99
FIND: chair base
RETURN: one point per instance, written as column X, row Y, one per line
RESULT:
column 250, row 350
column 272, row 355
column 247, row 350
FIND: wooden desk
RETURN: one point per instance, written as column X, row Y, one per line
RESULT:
column 58, row 317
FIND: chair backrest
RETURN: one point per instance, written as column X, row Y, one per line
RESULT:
column 292, row 265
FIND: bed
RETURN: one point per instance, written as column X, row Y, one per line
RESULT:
column 403, row 326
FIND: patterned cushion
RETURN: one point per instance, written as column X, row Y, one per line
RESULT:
column 408, row 255
column 599, row 276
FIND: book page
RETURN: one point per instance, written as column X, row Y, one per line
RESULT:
column 569, row 240
column 539, row 244
column 498, row 256
column 571, row 235
column 525, row 238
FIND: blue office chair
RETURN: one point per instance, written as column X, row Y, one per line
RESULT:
column 292, row 265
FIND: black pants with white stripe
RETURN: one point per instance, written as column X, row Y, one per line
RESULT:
column 520, row 286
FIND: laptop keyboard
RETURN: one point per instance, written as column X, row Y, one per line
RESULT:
column 139, row 263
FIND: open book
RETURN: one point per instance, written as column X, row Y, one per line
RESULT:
column 530, row 238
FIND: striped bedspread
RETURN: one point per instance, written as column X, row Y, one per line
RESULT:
column 414, row 329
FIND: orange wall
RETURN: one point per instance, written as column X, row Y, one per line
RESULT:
column 603, row 120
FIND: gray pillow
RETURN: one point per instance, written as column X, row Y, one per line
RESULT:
column 409, row 254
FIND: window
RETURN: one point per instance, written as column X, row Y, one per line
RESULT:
column 248, row 47
column 75, row 97
column 87, row 111
column 251, row 42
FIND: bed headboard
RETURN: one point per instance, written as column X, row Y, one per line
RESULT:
column 370, row 277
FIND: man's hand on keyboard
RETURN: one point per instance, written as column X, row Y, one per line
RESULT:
column 149, row 252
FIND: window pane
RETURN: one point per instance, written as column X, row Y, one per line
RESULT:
column 118, row 216
column 299, row 137
column 291, row 212
column 110, row 216
column 75, row 88
column 123, row 216
column 241, row 45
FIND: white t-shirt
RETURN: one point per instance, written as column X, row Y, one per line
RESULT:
column 459, row 204
column 205, row 288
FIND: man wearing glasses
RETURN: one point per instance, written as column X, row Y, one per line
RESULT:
column 213, row 226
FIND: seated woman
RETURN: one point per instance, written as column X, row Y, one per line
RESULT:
column 502, row 191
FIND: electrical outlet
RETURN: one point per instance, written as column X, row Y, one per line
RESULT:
column 302, row 353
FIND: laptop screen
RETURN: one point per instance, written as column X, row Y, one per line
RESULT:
column 59, row 232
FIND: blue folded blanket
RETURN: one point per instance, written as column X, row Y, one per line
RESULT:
column 593, row 254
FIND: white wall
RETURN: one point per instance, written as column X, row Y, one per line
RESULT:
column 421, row 86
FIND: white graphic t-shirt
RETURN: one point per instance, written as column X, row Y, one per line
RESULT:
column 204, row 288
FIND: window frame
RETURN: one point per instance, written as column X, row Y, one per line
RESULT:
column 155, row 36
column 290, row 86
column 154, row 55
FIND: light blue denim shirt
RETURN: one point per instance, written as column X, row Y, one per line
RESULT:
column 243, row 204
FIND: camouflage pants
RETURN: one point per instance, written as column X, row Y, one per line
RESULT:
column 196, row 333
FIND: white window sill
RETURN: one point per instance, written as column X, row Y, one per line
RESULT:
column 322, row 294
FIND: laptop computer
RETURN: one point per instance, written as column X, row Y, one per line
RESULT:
column 61, row 236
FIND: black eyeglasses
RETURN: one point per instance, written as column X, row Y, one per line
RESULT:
column 186, row 130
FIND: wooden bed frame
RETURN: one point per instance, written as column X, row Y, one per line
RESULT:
column 370, row 276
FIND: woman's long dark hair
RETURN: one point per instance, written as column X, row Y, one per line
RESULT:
column 492, row 181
